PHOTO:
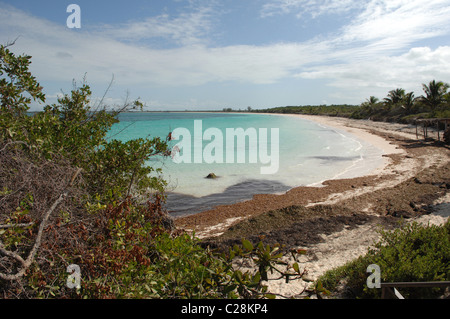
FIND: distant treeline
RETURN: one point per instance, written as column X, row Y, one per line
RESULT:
column 343, row 110
column 397, row 106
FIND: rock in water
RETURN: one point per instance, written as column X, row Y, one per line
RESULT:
column 211, row 176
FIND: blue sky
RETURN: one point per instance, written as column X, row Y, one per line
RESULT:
column 207, row 55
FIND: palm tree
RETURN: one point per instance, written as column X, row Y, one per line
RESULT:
column 372, row 101
column 394, row 97
column 408, row 101
column 435, row 93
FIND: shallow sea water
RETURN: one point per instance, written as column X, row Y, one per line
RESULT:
column 309, row 153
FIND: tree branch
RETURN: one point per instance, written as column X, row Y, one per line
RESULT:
column 16, row 225
column 27, row 263
column 14, row 142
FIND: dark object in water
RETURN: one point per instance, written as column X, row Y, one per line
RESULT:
column 211, row 176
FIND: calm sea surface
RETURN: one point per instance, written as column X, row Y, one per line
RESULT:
column 309, row 153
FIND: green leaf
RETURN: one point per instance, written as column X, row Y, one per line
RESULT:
column 257, row 277
column 319, row 286
column 247, row 245
column 238, row 276
column 277, row 256
column 229, row 288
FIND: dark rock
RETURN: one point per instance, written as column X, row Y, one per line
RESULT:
column 401, row 214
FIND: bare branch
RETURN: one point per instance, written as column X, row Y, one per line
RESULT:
column 16, row 225
column 27, row 263
column 14, row 142
column 104, row 94
column 11, row 43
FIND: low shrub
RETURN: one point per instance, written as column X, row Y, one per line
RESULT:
column 412, row 253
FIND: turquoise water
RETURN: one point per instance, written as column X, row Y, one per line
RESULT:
column 309, row 153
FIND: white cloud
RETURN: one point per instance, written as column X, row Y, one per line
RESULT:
column 313, row 8
column 185, row 29
column 60, row 54
column 366, row 59
column 376, row 26
column 396, row 23
column 374, row 50
column 371, row 77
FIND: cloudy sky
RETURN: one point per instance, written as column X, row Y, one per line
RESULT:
column 211, row 54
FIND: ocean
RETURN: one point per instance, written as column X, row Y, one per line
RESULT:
column 275, row 154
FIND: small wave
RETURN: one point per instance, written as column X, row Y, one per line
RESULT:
column 350, row 168
column 336, row 158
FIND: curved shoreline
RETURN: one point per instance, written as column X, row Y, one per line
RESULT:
column 400, row 164
column 368, row 159
column 295, row 160
column 361, row 136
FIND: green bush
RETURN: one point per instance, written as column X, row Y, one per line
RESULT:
column 75, row 130
column 413, row 253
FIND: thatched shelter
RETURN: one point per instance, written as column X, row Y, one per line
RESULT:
column 433, row 123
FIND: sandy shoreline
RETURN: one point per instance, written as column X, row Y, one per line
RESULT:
column 377, row 141
column 342, row 124
column 413, row 181
column 208, row 222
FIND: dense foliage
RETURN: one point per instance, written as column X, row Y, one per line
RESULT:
column 330, row 110
column 413, row 253
column 133, row 252
column 74, row 130
column 400, row 106
column 397, row 106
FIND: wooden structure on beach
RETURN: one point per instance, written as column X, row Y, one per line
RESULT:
column 434, row 123
column 388, row 290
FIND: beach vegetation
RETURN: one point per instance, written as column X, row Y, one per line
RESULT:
column 398, row 106
column 75, row 130
column 343, row 110
column 435, row 93
column 394, row 97
column 412, row 253
column 403, row 107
